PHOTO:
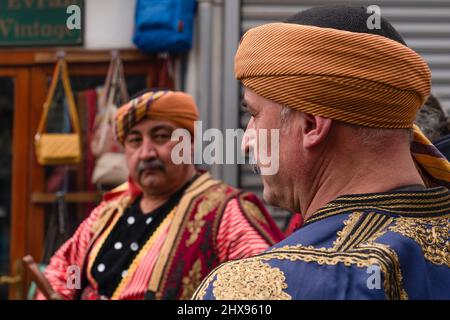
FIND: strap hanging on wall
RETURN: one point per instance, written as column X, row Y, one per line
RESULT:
column 110, row 168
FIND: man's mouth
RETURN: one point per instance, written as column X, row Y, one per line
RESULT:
column 149, row 167
column 148, row 170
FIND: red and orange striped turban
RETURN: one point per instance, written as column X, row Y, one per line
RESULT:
column 175, row 106
column 357, row 78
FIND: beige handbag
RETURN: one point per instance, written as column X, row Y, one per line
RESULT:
column 59, row 148
column 110, row 167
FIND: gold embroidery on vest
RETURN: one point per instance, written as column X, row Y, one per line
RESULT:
column 432, row 235
column 250, row 279
column 119, row 204
column 363, row 253
column 210, row 202
column 192, row 280
column 254, row 211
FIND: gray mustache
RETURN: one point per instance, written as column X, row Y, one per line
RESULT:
column 256, row 169
column 155, row 164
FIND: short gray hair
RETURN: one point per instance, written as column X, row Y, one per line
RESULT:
column 376, row 138
column 285, row 114
column 373, row 138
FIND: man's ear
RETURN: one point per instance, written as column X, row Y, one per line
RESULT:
column 315, row 129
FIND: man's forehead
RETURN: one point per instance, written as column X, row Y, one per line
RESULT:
column 154, row 124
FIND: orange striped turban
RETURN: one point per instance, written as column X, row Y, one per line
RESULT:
column 175, row 106
column 357, row 78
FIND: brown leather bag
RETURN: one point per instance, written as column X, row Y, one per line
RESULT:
column 59, row 148
column 103, row 140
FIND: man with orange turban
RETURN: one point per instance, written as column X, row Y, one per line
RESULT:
column 161, row 233
column 372, row 191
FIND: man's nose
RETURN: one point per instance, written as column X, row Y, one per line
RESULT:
column 147, row 150
column 249, row 138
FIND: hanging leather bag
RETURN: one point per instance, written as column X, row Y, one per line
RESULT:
column 110, row 167
column 59, row 148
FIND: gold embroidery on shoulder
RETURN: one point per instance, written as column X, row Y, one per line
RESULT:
column 199, row 294
column 236, row 279
column 349, row 224
column 210, row 202
column 355, row 245
column 250, row 279
column 432, row 234
column 192, row 280
column 359, row 229
column 334, row 209
column 389, row 262
column 363, row 256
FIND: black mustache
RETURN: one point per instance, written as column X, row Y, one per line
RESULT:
column 155, row 164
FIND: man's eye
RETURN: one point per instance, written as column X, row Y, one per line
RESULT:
column 247, row 110
column 133, row 141
column 161, row 138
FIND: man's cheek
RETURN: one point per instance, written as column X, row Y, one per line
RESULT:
column 132, row 165
column 165, row 155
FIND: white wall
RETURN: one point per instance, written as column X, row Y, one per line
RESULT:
column 109, row 24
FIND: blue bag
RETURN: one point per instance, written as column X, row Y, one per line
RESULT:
column 164, row 25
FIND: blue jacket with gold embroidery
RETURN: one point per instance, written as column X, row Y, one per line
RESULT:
column 392, row 245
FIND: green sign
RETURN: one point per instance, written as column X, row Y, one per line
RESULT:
column 41, row 22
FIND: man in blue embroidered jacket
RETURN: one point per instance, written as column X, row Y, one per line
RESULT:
column 372, row 190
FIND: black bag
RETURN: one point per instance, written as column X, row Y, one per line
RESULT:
column 443, row 145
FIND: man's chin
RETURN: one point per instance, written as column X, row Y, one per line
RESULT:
column 149, row 181
column 276, row 201
column 269, row 196
column 273, row 195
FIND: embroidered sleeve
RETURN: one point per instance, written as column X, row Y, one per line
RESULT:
column 236, row 237
column 71, row 253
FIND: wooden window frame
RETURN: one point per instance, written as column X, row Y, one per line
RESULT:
column 31, row 68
